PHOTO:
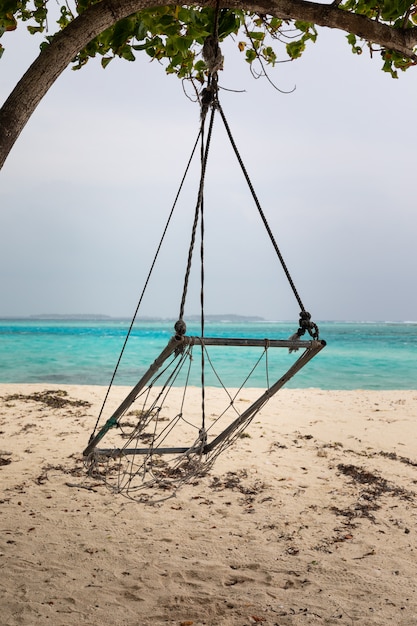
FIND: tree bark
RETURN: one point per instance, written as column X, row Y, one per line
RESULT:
column 55, row 57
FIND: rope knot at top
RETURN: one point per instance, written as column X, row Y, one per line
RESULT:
column 212, row 54
column 180, row 328
column 307, row 325
column 213, row 59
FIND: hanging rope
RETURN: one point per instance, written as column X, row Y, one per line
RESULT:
column 305, row 323
column 209, row 98
column 214, row 60
column 146, row 283
column 258, row 206
column 180, row 324
column 203, row 435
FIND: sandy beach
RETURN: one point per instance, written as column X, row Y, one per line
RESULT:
column 310, row 518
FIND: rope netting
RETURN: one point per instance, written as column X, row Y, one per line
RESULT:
column 157, row 441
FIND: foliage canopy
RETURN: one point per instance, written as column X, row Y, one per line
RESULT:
column 175, row 34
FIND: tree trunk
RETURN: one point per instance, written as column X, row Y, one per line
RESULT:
column 55, row 57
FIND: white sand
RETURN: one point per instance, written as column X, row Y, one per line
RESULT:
column 310, row 520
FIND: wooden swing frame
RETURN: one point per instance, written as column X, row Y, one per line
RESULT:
column 178, row 343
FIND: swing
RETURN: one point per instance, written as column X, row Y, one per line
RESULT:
column 159, row 437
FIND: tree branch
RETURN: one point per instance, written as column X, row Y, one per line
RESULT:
column 55, row 57
column 401, row 40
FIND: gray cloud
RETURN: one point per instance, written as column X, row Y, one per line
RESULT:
column 89, row 184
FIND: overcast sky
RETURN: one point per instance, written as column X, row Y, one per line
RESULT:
column 87, row 189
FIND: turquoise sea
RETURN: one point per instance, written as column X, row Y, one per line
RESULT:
column 368, row 355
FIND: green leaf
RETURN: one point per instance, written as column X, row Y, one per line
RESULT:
column 295, row 49
column 275, row 23
column 123, row 31
column 200, row 66
column 228, row 23
column 35, row 29
column 185, row 15
column 141, row 31
column 258, row 36
column 250, row 55
column 184, row 43
column 126, row 53
column 105, row 61
column 166, row 20
column 303, row 26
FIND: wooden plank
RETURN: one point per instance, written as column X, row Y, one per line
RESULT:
column 248, row 342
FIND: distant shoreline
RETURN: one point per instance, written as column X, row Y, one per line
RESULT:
column 226, row 317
